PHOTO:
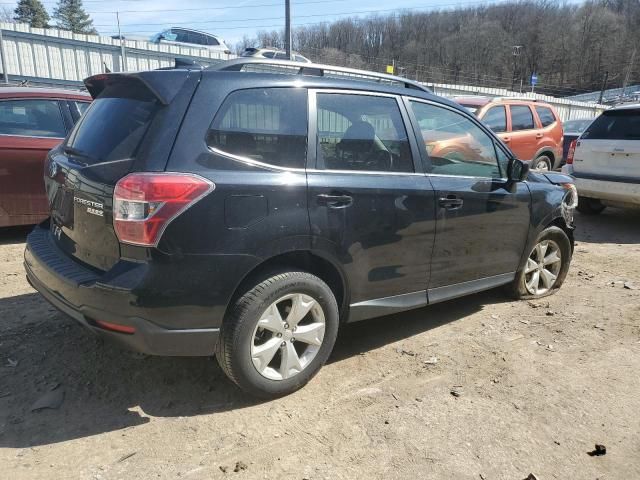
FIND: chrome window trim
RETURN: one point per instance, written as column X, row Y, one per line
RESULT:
column 253, row 163
column 30, row 136
column 257, row 163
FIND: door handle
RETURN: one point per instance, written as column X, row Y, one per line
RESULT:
column 335, row 201
column 451, row 202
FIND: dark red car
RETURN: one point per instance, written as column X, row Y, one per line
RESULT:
column 32, row 122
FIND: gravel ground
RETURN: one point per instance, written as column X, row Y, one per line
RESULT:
column 478, row 388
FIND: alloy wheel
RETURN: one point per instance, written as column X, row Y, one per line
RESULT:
column 288, row 336
column 542, row 166
column 543, row 267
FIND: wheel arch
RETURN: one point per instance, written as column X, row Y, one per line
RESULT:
column 561, row 223
column 305, row 260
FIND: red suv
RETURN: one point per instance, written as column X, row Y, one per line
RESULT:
column 531, row 129
column 32, row 122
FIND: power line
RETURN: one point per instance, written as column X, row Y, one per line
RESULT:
column 355, row 12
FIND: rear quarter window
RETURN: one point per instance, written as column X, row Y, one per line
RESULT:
column 615, row 125
column 268, row 125
column 546, row 116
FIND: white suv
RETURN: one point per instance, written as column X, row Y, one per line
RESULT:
column 605, row 161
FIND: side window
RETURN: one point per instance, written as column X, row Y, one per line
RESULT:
column 77, row 109
column 32, row 118
column 496, row 119
column 268, row 125
column 546, row 116
column 82, row 106
column 181, row 35
column 268, row 54
column 212, row 41
column 281, row 56
column 361, row 132
column 521, row 118
column 455, row 144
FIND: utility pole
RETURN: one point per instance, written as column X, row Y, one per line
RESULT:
column 123, row 61
column 287, row 28
column 604, row 86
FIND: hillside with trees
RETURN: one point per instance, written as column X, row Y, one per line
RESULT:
column 570, row 46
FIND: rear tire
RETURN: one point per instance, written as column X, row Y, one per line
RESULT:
column 542, row 163
column 258, row 349
column 545, row 268
column 590, row 206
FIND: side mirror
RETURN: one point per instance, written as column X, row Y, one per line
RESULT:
column 517, row 170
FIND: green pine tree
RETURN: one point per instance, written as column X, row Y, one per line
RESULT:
column 32, row 12
column 70, row 15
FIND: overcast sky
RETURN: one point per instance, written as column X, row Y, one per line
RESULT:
column 232, row 19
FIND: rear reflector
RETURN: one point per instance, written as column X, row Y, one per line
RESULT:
column 115, row 327
column 571, row 152
column 144, row 204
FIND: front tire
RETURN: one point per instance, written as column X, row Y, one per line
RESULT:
column 590, row 206
column 546, row 266
column 279, row 334
column 542, row 164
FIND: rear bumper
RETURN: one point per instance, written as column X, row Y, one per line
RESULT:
column 89, row 297
column 620, row 191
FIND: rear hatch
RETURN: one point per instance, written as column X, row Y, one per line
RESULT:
column 610, row 146
column 125, row 129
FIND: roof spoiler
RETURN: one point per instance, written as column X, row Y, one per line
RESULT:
column 163, row 85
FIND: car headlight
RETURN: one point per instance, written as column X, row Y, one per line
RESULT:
column 570, row 199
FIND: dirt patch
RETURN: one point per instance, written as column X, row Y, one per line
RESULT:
column 537, row 385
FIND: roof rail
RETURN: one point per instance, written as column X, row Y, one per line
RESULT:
column 314, row 69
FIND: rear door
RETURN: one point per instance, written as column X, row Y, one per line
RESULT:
column 369, row 203
column 523, row 136
column 482, row 219
column 29, row 128
column 610, row 146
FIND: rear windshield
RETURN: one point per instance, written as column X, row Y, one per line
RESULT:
column 615, row 125
column 113, row 126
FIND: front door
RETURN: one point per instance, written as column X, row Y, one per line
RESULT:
column 482, row 219
column 369, row 204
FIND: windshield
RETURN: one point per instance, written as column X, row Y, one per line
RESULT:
column 577, row 126
column 112, row 127
column 615, row 125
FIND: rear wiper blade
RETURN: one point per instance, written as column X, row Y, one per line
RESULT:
column 76, row 153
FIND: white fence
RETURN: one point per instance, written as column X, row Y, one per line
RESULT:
column 51, row 56
column 63, row 57
column 567, row 109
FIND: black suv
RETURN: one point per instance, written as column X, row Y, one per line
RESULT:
column 249, row 215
